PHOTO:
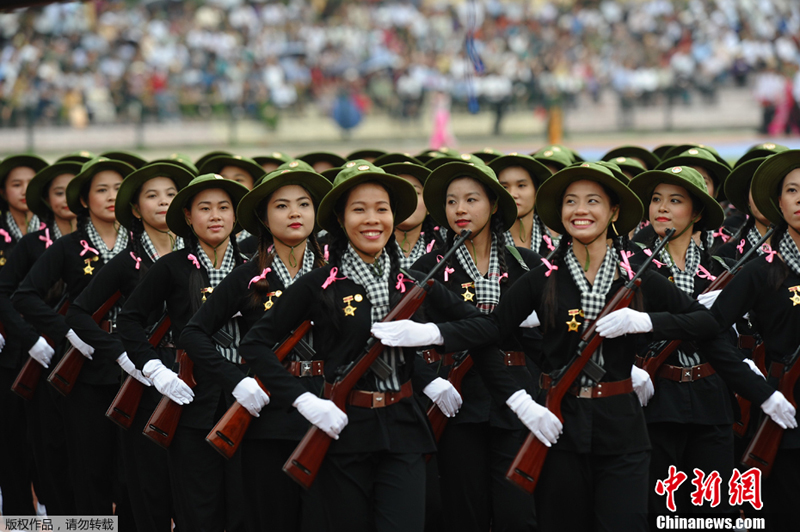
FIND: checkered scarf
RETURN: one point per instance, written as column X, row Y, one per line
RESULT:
column 709, row 239
column 98, row 243
column 214, row 278
column 487, row 289
column 16, row 232
column 377, row 287
column 283, row 273
column 419, row 249
column 790, row 253
column 56, row 231
column 243, row 234
column 754, row 237
column 538, row 231
column 684, row 280
column 593, row 297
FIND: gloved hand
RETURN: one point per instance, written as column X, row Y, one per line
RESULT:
column 642, row 385
column 531, row 321
column 250, row 395
column 780, row 410
column 624, row 321
column 444, row 394
column 167, row 382
column 126, row 364
column 407, row 333
column 707, row 300
column 753, row 366
column 85, row 349
column 539, row 420
column 322, row 413
column 2, row 342
column 41, row 352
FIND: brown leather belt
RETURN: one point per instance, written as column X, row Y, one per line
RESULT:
column 367, row 399
column 305, row 368
column 514, row 358
column 679, row 374
column 431, row 356
column 600, row 390
column 747, row 341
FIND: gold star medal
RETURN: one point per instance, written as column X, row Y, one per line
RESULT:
column 467, row 295
column 2, row 259
column 88, row 270
column 349, row 310
column 573, row 324
column 206, row 290
column 269, row 303
column 796, row 297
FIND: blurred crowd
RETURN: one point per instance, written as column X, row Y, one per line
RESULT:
column 115, row 61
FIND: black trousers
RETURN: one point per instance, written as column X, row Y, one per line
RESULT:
column 374, row 492
column 16, row 456
column 206, row 488
column 274, row 501
column 593, row 492
column 476, row 496
column 146, row 467
column 781, row 493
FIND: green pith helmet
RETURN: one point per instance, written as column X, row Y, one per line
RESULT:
column 705, row 159
column 126, row 157
column 366, row 154
column 759, row 151
column 295, row 164
column 88, row 171
column 35, row 193
column 123, row 206
column 395, row 157
column 768, row 180
column 176, row 219
column 215, row 165
column 647, row 159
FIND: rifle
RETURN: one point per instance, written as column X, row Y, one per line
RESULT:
column 28, row 378
column 652, row 364
column 740, row 427
column 463, row 363
column 304, row 463
column 126, row 402
column 527, row 465
column 162, row 423
column 227, row 434
column 764, row 445
column 65, row 374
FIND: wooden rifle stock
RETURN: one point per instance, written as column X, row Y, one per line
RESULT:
column 740, row 427
column 527, row 465
column 435, row 415
column 764, row 446
column 65, row 374
column 304, row 463
column 227, row 434
column 126, row 402
column 161, row 426
column 31, row 373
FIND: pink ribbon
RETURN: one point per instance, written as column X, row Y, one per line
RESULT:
column 46, row 238
column 6, row 236
column 550, row 267
column 704, row 274
column 87, row 247
column 740, row 247
column 137, row 259
column 400, row 286
column 649, row 253
column 447, row 269
column 258, row 278
column 501, row 277
column 626, row 265
column 193, row 259
column 722, row 235
column 768, row 253
column 332, row 278
column 430, row 246
column 326, row 253
column 549, row 242
column 42, row 225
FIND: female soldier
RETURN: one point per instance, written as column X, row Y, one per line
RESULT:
column 141, row 207
column 373, row 477
column 75, row 259
column 767, row 288
column 15, row 174
column 479, row 443
column 602, row 455
column 281, row 211
column 205, row 489
column 46, row 197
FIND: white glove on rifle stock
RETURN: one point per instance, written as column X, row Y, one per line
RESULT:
column 167, row 382
column 41, row 352
column 539, row 420
column 407, row 333
column 642, row 385
column 85, row 349
column 624, row 321
column 322, row 413
column 444, row 394
column 126, row 364
column 780, row 410
column 250, row 395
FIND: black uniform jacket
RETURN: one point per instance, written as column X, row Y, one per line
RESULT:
column 774, row 313
column 233, row 295
column 7, row 241
column 611, row 425
column 478, row 406
column 401, row 427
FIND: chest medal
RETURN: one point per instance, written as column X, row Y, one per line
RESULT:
column 269, row 303
column 573, row 325
column 206, row 290
column 795, row 297
column 467, row 295
column 88, row 270
column 349, row 310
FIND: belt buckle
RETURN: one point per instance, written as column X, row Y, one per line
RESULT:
column 378, row 399
column 686, row 374
column 585, row 392
column 306, row 367
column 507, row 358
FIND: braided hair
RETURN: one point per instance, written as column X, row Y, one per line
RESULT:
column 777, row 270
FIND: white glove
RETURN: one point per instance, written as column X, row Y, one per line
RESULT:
column 753, row 366
column 167, row 382
column 250, row 395
column 126, row 364
column 531, row 321
column 642, row 384
column 41, row 352
column 539, row 420
column 407, row 333
column 85, row 349
column 322, row 413
column 2, row 342
column 707, row 300
column 444, row 394
column 624, row 321
column 780, row 410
